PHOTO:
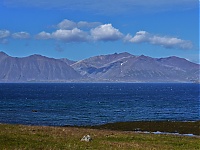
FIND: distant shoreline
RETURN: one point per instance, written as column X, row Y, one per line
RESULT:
column 181, row 128
column 99, row 82
column 162, row 127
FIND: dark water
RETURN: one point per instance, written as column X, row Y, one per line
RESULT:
column 91, row 104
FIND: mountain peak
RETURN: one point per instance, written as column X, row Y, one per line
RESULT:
column 3, row 54
column 100, row 60
column 40, row 57
column 36, row 55
column 123, row 54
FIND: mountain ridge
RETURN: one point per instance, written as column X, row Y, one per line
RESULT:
column 122, row 67
column 35, row 68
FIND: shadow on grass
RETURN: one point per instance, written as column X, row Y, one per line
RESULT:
column 153, row 126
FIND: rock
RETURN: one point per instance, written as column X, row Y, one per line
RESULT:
column 86, row 138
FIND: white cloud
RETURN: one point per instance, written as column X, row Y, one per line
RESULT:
column 68, row 24
column 21, row 35
column 141, row 36
column 167, row 42
column 171, row 42
column 43, row 35
column 84, row 24
column 4, row 34
column 74, row 35
column 106, row 32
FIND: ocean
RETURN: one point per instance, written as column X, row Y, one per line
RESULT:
column 60, row 104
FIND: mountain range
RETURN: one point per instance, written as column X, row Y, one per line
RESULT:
column 122, row 67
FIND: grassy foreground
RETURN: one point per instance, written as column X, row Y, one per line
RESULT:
column 41, row 137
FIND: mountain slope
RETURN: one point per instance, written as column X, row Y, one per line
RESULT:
column 35, row 68
column 91, row 64
column 67, row 61
column 141, row 69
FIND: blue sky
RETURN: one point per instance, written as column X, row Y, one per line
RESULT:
column 80, row 29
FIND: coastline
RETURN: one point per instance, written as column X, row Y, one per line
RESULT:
column 187, row 128
column 162, row 127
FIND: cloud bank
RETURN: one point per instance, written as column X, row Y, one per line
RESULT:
column 167, row 42
column 74, row 35
column 21, row 35
column 68, row 24
column 69, row 31
column 6, row 34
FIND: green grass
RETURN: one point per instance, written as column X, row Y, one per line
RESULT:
column 39, row 137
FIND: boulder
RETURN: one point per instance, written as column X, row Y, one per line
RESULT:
column 86, row 138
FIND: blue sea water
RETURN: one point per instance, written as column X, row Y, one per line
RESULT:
column 60, row 104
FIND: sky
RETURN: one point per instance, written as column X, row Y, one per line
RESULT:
column 80, row 29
